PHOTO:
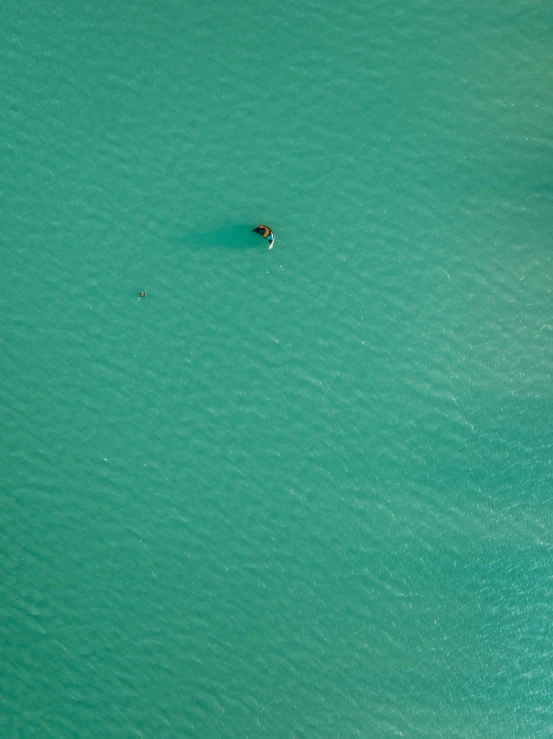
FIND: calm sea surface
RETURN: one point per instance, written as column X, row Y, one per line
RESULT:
column 298, row 494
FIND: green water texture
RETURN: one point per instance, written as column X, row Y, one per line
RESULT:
column 296, row 493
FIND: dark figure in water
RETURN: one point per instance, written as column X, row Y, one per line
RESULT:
column 141, row 295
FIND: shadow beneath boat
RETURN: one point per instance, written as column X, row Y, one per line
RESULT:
column 235, row 236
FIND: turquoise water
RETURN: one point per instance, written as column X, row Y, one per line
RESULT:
column 298, row 493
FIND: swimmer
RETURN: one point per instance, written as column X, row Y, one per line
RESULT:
column 141, row 295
